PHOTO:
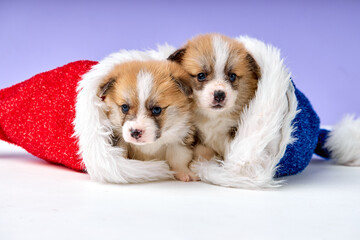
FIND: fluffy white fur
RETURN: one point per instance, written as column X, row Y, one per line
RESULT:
column 264, row 127
column 344, row 142
column 104, row 162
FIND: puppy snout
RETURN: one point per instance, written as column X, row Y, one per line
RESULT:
column 219, row 96
column 136, row 133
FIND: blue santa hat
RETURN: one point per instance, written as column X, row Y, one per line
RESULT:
column 278, row 132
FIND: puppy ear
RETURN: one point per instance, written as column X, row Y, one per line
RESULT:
column 177, row 56
column 184, row 85
column 104, row 89
column 181, row 78
column 253, row 66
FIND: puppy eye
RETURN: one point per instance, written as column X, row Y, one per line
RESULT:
column 125, row 108
column 232, row 77
column 156, row 111
column 201, row 77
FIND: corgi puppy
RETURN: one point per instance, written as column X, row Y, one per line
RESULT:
column 224, row 80
column 150, row 113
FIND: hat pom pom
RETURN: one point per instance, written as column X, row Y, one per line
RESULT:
column 344, row 141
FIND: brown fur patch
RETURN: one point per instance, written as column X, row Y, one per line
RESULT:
column 232, row 132
column 253, row 66
column 191, row 139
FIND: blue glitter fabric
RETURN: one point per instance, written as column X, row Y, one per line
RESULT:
column 307, row 127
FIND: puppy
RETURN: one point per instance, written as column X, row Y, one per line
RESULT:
column 150, row 113
column 224, row 80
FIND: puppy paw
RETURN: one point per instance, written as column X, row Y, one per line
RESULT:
column 186, row 176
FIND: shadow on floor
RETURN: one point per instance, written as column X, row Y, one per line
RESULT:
column 27, row 158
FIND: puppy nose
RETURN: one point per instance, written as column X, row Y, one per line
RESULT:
column 136, row 133
column 219, row 96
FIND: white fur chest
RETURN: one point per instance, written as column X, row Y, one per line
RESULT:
column 214, row 132
column 154, row 151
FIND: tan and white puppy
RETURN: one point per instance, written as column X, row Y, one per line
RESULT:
column 224, row 80
column 150, row 113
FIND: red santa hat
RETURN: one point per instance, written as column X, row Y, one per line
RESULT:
column 38, row 114
column 58, row 116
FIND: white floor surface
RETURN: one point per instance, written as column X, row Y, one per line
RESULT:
column 39, row 200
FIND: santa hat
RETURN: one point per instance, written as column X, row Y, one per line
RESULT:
column 58, row 116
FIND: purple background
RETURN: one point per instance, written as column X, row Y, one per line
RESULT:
column 319, row 39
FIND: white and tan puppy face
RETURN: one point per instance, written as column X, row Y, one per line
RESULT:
column 224, row 74
column 146, row 100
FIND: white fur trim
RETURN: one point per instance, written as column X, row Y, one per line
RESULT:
column 93, row 129
column 344, row 141
column 265, row 127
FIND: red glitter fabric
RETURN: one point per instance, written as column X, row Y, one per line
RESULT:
column 38, row 114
